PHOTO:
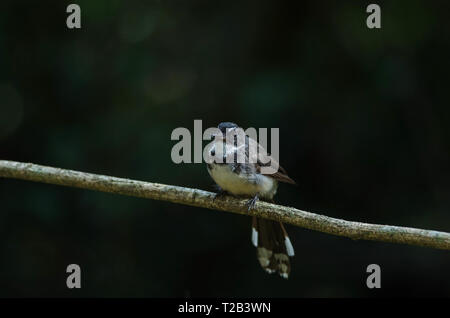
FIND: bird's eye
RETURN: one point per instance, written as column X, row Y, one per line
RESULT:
column 213, row 152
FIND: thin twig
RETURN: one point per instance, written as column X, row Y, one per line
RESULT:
column 204, row 199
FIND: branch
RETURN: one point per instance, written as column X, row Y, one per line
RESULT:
column 204, row 199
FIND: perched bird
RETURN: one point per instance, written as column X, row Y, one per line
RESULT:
column 245, row 178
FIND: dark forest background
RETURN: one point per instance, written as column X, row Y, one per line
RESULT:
column 364, row 124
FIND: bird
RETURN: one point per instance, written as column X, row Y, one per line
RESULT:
column 246, row 178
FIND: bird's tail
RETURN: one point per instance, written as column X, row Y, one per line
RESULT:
column 273, row 246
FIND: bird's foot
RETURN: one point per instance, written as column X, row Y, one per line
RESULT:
column 251, row 203
column 220, row 193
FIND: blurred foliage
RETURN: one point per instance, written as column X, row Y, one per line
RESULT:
column 363, row 116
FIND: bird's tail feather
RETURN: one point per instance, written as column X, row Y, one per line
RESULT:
column 273, row 246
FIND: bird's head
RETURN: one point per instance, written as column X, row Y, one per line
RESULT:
column 226, row 126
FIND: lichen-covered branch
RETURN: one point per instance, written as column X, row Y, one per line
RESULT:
column 204, row 199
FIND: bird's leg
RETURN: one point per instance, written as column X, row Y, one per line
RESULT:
column 220, row 193
column 251, row 203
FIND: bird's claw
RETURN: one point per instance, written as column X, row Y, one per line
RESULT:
column 251, row 203
column 219, row 194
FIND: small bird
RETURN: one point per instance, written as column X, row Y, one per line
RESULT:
column 245, row 179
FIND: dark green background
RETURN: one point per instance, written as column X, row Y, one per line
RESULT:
column 364, row 124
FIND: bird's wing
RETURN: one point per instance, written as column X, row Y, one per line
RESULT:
column 280, row 175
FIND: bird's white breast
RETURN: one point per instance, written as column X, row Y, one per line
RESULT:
column 243, row 184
